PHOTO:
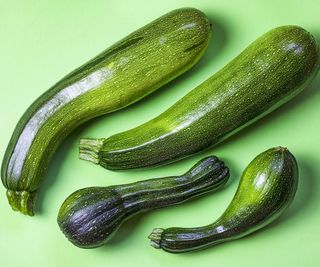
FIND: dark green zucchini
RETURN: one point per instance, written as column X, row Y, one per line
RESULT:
column 272, row 70
column 126, row 72
column 267, row 187
column 90, row 216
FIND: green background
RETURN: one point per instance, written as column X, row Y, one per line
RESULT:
column 41, row 41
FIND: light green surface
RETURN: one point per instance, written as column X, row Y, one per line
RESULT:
column 41, row 41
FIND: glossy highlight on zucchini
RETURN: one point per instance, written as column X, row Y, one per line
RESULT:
column 267, row 187
column 269, row 72
column 90, row 216
column 124, row 73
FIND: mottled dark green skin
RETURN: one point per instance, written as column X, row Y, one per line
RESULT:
column 267, row 187
column 126, row 72
column 268, row 73
column 90, row 216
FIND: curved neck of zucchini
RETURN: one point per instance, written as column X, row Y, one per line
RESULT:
column 178, row 240
column 205, row 176
column 222, row 230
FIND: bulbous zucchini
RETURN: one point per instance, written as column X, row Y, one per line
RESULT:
column 90, row 216
column 126, row 72
column 267, row 187
column 269, row 72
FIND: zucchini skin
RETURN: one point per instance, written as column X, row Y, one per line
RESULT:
column 267, row 187
column 124, row 73
column 90, row 216
column 269, row 72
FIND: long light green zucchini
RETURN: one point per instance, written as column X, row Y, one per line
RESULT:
column 126, row 72
column 272, row 70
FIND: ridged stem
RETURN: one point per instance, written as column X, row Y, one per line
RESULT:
column 155, row 237
column 22, row 201
column 89, row 149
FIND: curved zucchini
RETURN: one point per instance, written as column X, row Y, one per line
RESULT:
column 90, row 216
column 272, row 70
column 126, row 72
column 267, row 187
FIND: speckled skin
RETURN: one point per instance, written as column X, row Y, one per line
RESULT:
column 267, row 187
column 269, row 72
column 90, row 216
column 126, row 72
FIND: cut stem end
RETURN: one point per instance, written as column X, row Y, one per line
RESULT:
column 22, row 201
column 89, row 149
column 155, row 237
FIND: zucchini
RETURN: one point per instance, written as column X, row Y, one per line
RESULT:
column 267, row 187
column 124, row 73
column 90, row 216
column 269, row 72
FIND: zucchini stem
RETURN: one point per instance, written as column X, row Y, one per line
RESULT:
column 22, row 201
column 155, row 237
column 89, row 149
